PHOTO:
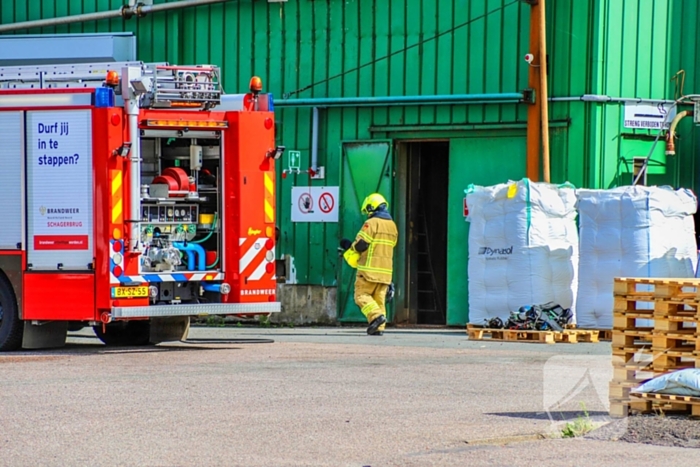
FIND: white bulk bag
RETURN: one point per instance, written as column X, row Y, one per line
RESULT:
column 523, row 247
column 631, row 231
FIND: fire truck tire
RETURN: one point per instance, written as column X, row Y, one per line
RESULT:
column 130, row 333
column 11, row 327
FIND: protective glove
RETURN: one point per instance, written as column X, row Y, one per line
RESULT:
column 352, row 258
column 390, row 293
column 345, row 244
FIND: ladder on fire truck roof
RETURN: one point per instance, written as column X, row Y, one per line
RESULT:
column 171, row 85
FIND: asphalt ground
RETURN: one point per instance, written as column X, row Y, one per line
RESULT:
column 312, row 397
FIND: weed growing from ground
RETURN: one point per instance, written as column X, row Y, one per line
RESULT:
column 579, row 427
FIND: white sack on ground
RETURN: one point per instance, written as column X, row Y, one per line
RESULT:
column 681, row 383
column 523, row 247
column 631, row 231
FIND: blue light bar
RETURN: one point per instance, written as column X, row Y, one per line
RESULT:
column 104, row 97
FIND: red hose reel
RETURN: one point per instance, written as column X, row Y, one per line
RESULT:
column 176, row 179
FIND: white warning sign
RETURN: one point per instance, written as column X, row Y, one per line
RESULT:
column 648, row 116
column 315, row 204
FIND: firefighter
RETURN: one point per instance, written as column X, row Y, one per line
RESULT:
column 372, row 255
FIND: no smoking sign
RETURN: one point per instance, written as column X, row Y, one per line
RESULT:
column 326, row 202
column 315, row 204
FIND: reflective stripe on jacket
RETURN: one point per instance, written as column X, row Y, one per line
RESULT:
column 376, row 264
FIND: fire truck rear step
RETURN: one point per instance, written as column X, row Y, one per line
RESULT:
column 195, row 309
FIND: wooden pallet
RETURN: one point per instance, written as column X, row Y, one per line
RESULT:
column 661, row 287
column 570, row 336
column 605, row 334
column 641, row 352
column 672, row 402
column 655, row 308
column 628, row 370
column 622, row 408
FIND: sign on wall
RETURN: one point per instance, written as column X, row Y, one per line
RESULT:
column 59, row 189
column 294, row 159
column 315, row 204
column 648, row 116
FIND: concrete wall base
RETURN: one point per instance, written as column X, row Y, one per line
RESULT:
column 306, row 304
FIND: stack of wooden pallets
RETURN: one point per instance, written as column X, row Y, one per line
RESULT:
column 569, row 336
column 653, row 333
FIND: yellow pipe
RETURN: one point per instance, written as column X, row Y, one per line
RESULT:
column 670, row 145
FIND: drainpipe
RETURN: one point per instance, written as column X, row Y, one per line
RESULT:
column 125, row 12
column 314, row 142
column 385, row 101
column 534, row 110
column 670, row 144
column 543, row 92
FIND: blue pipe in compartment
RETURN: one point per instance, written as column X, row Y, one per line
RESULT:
column 193, row 249
column 211, row 287
column 190, row 254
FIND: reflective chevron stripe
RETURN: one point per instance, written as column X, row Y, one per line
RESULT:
column 187, row 277
column 255, row 250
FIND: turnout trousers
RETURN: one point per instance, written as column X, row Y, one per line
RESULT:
column 370, row 296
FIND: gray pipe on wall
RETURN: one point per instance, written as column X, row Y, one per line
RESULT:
column 125, row 12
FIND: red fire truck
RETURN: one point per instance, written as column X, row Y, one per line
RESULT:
column 135, row 196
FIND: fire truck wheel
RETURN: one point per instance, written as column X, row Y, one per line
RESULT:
column 11, row 327
column 130, row 333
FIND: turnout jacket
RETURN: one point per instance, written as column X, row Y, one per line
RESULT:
column 375, row 244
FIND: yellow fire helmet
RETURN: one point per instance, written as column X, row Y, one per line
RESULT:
column 372, row 203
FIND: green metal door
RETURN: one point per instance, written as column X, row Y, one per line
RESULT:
column 485, row 161
column 366, row 167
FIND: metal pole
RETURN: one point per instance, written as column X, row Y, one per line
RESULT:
column 543, row 92
column 131, row 102
column 534, row 111
column 125, row 12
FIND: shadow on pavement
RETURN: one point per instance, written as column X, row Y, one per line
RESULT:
column 556, row 416
column 227, row 341
column 90, row 345
column 427, row 332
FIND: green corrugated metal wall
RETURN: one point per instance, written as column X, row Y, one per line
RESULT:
column 306, row 48
column 640, row 46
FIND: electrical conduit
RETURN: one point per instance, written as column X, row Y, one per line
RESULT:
column 382, row 101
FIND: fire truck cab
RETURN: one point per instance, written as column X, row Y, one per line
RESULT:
column 135, row 196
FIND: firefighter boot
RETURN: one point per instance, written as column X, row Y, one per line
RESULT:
column 373, row 329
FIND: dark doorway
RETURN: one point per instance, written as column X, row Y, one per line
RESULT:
column 427, row 231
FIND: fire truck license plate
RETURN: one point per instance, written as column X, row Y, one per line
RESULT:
column 128, row 292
